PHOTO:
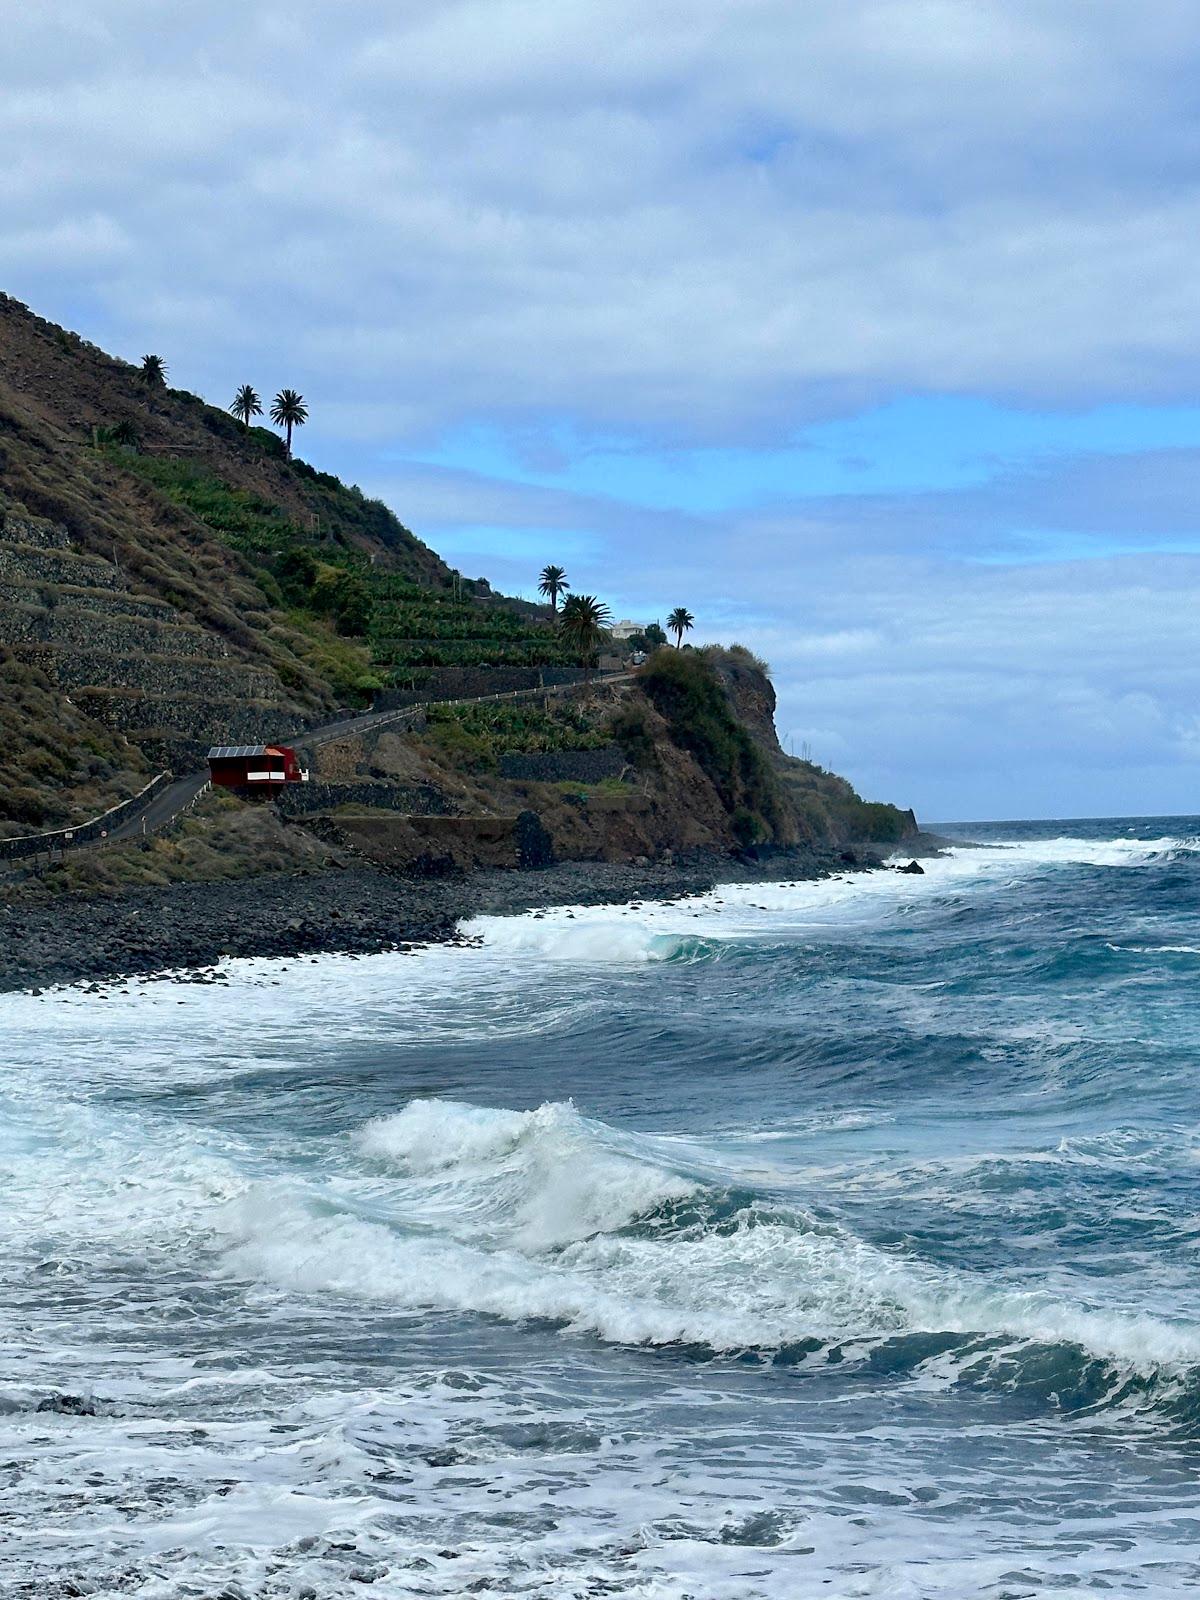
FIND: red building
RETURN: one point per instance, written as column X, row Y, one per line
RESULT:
column 254, row 766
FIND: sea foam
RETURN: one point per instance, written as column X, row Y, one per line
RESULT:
column 550, row 1215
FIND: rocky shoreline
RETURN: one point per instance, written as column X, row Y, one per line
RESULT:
column 97, row 939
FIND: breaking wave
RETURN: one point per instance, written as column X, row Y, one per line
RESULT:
column 545, row 1214
column 648, row 931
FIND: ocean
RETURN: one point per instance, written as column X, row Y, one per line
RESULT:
column 805, row 1239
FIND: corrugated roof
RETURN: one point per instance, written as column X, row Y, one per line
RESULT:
column 228, row 752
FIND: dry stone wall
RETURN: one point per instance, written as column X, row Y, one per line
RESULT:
column 56, row 566
column 165, row 676
column 564, row 766
column 111, row 632
column 412, row 799
column 18, row 528
column 103, row 602
column 207, row 721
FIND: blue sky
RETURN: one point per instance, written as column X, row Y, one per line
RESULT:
column 867, row 329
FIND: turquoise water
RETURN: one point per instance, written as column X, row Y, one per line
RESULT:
column 815, row 1239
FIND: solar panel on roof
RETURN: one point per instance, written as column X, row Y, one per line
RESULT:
column 233, row 752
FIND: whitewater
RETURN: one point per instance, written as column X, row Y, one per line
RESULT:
column 802, row 1238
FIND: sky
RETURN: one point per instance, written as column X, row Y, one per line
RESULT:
column 866, row 329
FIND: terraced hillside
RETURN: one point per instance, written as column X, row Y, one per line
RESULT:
column 168, row 578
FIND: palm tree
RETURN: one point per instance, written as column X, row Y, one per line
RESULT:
column 125, row 434
column 582, row 623
column 553, row 582
column 246, row 404
column 680, row 621
column 154, row 371
column 289, row 411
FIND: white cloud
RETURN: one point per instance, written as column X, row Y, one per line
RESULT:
column 693, row 220
column 705, row 218
column 92, row 240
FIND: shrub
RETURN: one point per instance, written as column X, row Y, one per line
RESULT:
column 630, row 728
column 496, row 729
column 880, row 823
column 747, row 829
column 685, row 690
column 450, row 737
column 747, row 658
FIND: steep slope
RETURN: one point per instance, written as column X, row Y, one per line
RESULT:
column 168, row 578
column 682, row 758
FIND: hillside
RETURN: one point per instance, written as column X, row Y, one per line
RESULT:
column 677, row 764
column 169, row 578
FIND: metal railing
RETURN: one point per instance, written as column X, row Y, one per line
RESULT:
column 87, row 832
column 188, row 805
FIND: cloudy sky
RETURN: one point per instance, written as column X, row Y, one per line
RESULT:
column 867, row 329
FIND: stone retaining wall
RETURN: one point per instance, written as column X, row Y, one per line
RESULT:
column 429, row 845
column 51, row 566
column 413, row 799
column 68, row 625
column 434, row 846
column 204, row 720
column 151, row 674
column 36, row 843
column 18, row 527
column 107, row 602
column 564, row 766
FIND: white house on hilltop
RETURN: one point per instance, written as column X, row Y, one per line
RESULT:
column 626, row 629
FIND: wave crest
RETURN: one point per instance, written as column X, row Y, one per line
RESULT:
column 537, row 1179
column 546, row 1214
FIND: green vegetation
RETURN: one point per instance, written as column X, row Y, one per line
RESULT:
column 831, row 808
column 244, row 520
column 740, row 656
column 322, row 576
column 154, row 372
column 122, row 433
column 481, row 734
column 582, row 624
column 552, row 582
column 415, row 628
column 688, row 695
column 630, row 728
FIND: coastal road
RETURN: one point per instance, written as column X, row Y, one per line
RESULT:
column 162, row 809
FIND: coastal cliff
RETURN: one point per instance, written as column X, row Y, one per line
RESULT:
column 170, row 578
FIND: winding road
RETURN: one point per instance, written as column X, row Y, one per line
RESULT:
column 162, row 808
